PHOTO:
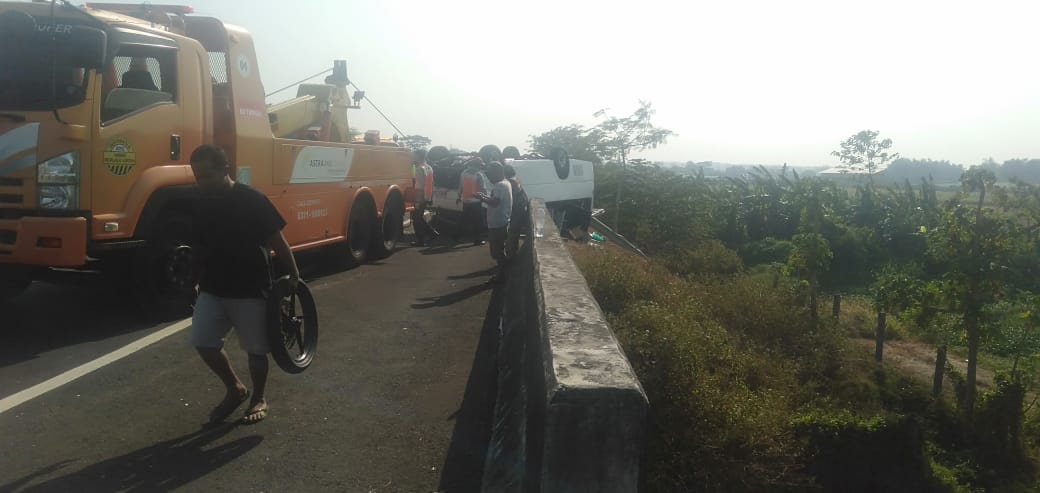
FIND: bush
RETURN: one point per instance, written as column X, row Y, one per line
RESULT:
column 707, row 258
column 858, row 318
column 618, row 282
column 765, row 251
column 998, row 433
column 849, row 453
column 717, row 412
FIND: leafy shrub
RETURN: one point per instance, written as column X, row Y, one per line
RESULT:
column 998, row 433
column 852, row 454
column 617, row 283
column 765, row 251
column 707, row 258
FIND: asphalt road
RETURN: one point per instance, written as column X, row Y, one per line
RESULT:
column 398, row 399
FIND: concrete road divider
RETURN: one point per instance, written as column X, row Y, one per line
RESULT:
column 570, row 414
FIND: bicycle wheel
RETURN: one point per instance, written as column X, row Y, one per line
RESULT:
column 292, row 326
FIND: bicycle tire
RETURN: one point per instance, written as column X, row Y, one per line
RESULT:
column 286, row 329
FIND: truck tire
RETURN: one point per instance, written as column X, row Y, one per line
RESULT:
column 163, row 285
column 490, row 153
column 390, row 227
column 437, row 154
column 561, row 162
column 360, row 230
column 9, row 288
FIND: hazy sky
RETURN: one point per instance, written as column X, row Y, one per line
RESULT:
column 738, row 81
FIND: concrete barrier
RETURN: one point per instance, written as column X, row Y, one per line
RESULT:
column 570, row 414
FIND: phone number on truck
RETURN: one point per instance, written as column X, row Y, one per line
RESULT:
column 311, row 214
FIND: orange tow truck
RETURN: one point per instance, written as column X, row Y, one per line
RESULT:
column 100, row 108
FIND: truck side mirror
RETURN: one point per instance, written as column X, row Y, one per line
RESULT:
column 86, row 46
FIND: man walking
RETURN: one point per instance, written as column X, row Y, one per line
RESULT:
column 235, row 228
column 499, row 207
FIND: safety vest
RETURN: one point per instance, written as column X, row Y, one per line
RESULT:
column 423, row 182
column 470, row 185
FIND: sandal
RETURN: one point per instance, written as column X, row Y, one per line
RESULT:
column 255, row 414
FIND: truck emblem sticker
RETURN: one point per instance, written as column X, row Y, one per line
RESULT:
column 120, row 157
column 243, row 65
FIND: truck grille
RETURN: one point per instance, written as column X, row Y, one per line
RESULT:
column 11, row 193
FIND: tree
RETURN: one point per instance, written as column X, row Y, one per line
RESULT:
column 578, row 141
column 618, row 137
column 863, row 152
column 973, row 245
column 811, row 256
column 415, row 142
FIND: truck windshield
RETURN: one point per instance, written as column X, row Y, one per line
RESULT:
column 25, row 78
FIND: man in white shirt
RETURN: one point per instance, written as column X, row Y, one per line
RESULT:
column 499, row 207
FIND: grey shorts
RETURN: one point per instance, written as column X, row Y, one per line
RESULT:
column 214, row 317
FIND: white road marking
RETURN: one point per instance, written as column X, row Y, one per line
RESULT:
column 42, row 388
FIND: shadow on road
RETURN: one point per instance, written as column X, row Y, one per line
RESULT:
column 451, row 298
column 161, row 467
column 75, row 308
column 49, row 316
column 480, row 273
column 464, row 464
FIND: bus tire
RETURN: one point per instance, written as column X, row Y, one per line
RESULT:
column 561, row 162
column 390, row 228
column 490, row 153
column 360, row 229
column 162, row 279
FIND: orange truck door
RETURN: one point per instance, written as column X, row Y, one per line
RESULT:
column 142, row 128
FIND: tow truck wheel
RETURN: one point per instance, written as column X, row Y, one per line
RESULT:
column 162, row 270
column 359, row 231
column 390, row 229
column 9, row 288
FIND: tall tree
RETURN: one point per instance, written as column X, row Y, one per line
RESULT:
column 619, row 137
column 578, row 141
column 864, row 152
column 974, row 244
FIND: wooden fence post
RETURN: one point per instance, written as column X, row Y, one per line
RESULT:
column 836, row 308
column 940, row 369
column 880, row 347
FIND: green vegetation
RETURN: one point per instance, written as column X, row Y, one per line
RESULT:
column 754, row 387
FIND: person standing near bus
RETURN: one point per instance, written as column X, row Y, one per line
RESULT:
column 422, row 185
column 520, row 216
column 499, row 207
column 235, row 228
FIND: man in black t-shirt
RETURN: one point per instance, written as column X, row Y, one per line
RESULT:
column 235, row 228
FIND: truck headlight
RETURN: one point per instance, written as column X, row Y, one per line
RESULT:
column 58, row 180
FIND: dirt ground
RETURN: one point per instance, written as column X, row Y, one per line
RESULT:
column 917, row 359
